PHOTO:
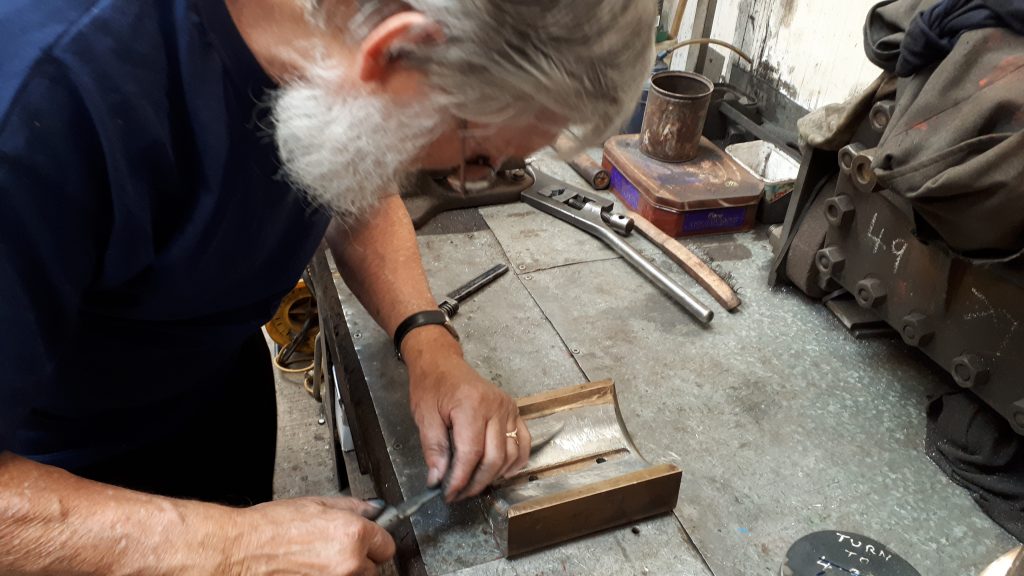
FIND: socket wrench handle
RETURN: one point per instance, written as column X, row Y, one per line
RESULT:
column 681, row 295
column 476, row 284
column 451, row 304
column 557, row 199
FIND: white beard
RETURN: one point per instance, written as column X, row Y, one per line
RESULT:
column 345, row 150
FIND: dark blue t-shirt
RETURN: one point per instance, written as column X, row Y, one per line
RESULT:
column 144, row 231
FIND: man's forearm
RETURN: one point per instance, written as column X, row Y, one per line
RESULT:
column 380, row 262
column 52, row 522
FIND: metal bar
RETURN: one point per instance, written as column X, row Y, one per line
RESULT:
column 476, row 284
column 681, row 295
column 336, row 336
column 689, row 262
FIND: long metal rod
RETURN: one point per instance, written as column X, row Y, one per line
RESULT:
column 681, row 295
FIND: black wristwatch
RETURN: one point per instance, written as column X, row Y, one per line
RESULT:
column 418, row 320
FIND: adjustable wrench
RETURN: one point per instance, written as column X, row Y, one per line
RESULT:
column 595, row 216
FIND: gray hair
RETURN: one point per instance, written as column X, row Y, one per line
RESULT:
column 584, row 61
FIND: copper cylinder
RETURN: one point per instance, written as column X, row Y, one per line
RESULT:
column 591, row 171
column 676, row 109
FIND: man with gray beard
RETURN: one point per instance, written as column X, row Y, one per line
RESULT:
column 167, row 169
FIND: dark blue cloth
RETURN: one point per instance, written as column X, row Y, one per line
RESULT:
column 934, row 32
column 144, row 232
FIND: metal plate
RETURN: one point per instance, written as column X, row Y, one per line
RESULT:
column 589, row 478
column 781, row 422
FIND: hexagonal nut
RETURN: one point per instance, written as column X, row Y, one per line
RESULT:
column 846, row 156
column 881, row 115
column 839, row 211
column 863, row 174
column 870, row 292
column 917, row 329
column 971, row 370
column 830, row 261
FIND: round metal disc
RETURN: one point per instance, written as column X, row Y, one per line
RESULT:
column 835, row 552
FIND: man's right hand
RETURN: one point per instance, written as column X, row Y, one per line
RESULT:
column 53, row 522
column 329, row 536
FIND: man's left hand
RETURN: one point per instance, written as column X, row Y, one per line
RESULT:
column 446, row 393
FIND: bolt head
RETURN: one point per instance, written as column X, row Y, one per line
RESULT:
column 970, row 370
column 830, row 261
column 863, row 174
column 846, row 156
column 870, row 292
column 1018, row 419
column 839, row 211
column 881, row 115
column 917, row 329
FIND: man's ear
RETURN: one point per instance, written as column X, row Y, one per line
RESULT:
column 377, row 53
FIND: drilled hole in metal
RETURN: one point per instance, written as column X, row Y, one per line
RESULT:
column 601, row 460
column 533, row 478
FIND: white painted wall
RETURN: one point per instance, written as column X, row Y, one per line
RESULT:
column 812, row 49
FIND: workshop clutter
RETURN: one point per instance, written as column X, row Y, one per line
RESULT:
column 711, row 194
column 776, row 170
column 672, row 175
column 911, row 209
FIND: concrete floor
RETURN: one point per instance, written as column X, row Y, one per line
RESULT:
column 304, row 464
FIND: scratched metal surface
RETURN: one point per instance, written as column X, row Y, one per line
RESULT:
column 509, row 340
column 782, row 423
column 591, row 439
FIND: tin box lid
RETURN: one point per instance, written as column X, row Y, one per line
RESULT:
column 711, row 180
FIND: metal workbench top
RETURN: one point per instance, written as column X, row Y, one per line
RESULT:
column 782, row 423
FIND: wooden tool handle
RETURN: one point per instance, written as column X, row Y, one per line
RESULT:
column 689, row 261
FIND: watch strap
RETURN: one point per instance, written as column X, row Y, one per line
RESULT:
column 419, row 320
